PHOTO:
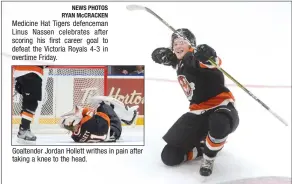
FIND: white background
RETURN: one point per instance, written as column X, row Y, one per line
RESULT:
column 254, row 42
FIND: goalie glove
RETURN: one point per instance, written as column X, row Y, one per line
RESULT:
column 126, row 114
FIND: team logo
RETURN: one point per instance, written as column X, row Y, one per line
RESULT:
column 186, row 86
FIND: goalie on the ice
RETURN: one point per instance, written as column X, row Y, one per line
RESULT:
column 102, row 124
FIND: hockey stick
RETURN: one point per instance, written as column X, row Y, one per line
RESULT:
column 248, row 92
column 138, row 7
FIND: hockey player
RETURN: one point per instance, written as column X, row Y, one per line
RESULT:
column 212, row 117
column 99, row 125
column 28, row 83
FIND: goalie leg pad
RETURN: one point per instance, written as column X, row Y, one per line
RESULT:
column 134, row 115
column 127, row 115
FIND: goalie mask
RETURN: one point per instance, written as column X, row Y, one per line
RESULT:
column 70, row 120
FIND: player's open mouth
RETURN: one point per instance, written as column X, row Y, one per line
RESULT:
column 179, row 52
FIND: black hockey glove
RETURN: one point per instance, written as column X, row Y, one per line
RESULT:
column 164, row 56
column 204, row 52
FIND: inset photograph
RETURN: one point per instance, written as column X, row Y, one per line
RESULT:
column 77, row 105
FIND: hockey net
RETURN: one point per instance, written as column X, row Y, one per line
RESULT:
column 63, row 88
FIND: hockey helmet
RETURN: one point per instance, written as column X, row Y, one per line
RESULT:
column 185, row 33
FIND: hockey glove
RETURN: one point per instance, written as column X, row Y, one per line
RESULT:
column 204, row 52
column 164, row 56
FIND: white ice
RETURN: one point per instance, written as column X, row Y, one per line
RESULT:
column 130, row 136
column 261, row 146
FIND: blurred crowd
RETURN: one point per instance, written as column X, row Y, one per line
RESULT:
column 127, row 70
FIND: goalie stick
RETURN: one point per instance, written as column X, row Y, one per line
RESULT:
column 138, row 7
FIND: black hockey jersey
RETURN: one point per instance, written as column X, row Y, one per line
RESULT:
column 95, row 124
column 203, row 84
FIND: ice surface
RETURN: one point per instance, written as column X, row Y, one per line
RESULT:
column 130, row 136
column 261, row 146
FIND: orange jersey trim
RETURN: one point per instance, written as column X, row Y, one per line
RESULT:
column 212, row 102
column 104, row 116
column 87, row 115
column 29, row 69
column 211, row 66
column 85, row 119
column 190, row 155
column 27, row 114
column 87, row 111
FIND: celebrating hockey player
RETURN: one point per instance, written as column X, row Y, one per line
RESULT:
column 212, row 117
column 28, row 83
column 102, row 124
